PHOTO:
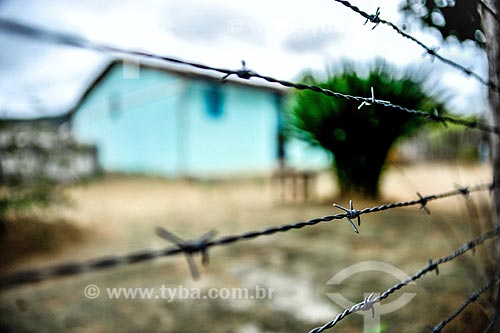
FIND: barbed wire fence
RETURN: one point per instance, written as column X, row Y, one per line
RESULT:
column 242, row 73
column 432, row 51
column 433, row 265
column 202, row 244
column 471, row 299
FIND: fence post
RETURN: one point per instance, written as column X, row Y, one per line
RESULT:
column 494, row 97
column 492, row 30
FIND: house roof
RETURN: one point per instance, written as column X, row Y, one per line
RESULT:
column 175, row 69
column 52, row 120
column 181, row 71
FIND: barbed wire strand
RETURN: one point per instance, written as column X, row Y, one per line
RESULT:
column 433, row 265
column 492, row 322
column 471, row 299
column 243, row 73
column 203, row 243
column 191, row 247
column 432, row 51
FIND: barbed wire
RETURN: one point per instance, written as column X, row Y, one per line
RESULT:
column 492, row 322
column 433, row 265
column 206, row 241
column 243, row 73
column 432, row 51
column 471, row 299
column 201, row 245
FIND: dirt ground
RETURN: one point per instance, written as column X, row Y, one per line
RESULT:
column 116, row 215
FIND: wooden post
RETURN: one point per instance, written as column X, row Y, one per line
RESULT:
column 492, row 33
column 492, row 29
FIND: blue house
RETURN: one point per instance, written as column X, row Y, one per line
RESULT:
column 174, row 122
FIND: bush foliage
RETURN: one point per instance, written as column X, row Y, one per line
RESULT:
column 360, row 139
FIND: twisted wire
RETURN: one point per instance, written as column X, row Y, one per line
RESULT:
column 471, row 299
column 243, row 73
column 433, row 265
column 432, row 51
column 202, row 245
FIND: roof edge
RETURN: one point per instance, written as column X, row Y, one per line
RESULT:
column 175, row 70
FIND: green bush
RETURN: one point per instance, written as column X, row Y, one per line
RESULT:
column 360, row 140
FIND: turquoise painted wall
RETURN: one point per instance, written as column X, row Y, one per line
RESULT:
column 160, row 123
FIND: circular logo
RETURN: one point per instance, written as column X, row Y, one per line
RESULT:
column 234, row 26
column 91, row 291
column 368, row 266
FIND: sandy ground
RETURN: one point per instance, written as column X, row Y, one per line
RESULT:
column 119, row 214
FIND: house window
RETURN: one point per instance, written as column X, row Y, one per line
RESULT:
column 214, row 101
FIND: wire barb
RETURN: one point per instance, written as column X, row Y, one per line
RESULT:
column 465, row 191
column 243, row 73
column 437, row 117
column 74, row 268
column 433, row 265
column 351, row 214
column 472, row 246
column 375, row 18
column 372, row 101
column 190, row 247
column 430, row 50
column 368, row 304
column 470, row 299
column 366, row 103
column 423, row 203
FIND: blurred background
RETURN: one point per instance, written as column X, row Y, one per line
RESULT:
column 98, row 148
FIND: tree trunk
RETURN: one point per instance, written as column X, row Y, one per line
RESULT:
column 491, row 27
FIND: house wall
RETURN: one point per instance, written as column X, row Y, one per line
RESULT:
column 243, row 138
column 170, row 125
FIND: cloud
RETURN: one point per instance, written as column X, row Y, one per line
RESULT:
column 195, row 20
column 277, row 40
column 311, row 39
column 18, row 54
column 41, row 74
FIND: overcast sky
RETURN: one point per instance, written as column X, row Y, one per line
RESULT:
column 277, row 38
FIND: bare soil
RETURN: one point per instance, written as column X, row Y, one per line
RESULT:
column 117, row 215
